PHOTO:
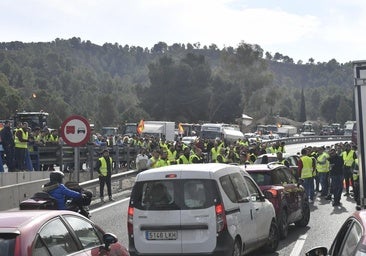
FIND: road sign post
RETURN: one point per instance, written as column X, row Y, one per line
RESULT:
column 359, row 68
column 75, row 131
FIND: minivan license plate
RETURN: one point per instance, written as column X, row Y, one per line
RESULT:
column 161, row 235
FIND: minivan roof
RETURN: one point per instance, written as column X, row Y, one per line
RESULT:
column 208, row 170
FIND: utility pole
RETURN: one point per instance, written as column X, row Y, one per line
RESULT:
column 359, row 68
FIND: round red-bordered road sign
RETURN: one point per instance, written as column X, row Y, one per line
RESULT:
column 75, row 131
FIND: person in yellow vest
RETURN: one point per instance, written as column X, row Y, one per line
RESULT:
column 104, row 168
column 215, row 151
column 221, row 157
column 21, row 146
column 306, row 167
column 197, row 156
column 153, row 159
column 172, row 154
column 184, row 158
column 281, row 148
column 349, row 157
column 322, row 167
column 163, row 160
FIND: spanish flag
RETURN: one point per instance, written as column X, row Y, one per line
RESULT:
column 180, row 128
column 140, row 126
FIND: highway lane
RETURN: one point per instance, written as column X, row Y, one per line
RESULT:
column 323, row 226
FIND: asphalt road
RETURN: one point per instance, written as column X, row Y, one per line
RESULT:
column 324, row 223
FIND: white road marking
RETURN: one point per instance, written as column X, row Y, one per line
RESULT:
column 109, row 205
column 299, row 245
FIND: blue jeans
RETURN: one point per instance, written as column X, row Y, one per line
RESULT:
column 309, row 187
column 323, row 179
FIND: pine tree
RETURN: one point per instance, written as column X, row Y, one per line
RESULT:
column 302, row 115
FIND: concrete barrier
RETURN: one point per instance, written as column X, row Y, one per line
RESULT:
column 18, row 186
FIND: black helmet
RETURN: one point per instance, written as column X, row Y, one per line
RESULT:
column 56, row 176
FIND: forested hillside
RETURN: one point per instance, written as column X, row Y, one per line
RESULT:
column 112, row 84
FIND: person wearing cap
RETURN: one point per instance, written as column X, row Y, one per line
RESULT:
column 59, row 191
column 104, row 169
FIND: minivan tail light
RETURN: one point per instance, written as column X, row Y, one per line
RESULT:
column 220, row 218
column 130, row 213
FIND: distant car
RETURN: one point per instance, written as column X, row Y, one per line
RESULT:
column 188, row 140
column 285, row 193
column 292, row 160
column 350, row 239
column 50, row 232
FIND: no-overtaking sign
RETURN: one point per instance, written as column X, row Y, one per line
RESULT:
column 75, row 131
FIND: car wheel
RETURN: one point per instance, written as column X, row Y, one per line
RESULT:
column 303, row 222
column 282, row 224
column 273, row 238
column 237, row 248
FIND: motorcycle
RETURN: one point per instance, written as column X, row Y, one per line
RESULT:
column 44, row 201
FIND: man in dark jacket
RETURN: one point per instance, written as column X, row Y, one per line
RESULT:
column 8, row 145
column 336, row 177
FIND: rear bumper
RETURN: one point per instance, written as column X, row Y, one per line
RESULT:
column 224, row 247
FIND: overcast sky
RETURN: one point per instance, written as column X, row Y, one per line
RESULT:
column 300, row 29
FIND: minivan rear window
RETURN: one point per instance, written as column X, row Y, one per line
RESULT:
column 179, row 194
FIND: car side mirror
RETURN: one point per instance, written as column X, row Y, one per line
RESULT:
column 317, row 251
column 108, row 239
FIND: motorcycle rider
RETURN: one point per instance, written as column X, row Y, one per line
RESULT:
column 61, row 193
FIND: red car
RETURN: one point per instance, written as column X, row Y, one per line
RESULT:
column 350, row 239
column 50, row 232
column 285, row 193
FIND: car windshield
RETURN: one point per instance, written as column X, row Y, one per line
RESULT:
column 262, row 178
column 7, row 244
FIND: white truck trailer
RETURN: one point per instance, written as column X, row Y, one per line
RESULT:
column 160, row 129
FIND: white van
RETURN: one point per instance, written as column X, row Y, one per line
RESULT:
column 193, row 209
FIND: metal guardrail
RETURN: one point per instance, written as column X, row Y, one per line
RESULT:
column 308, row 139
column 62, row 155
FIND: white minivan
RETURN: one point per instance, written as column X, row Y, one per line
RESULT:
column 194, row 209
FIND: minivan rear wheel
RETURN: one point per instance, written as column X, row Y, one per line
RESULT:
column 273, row 238
column 237, row 248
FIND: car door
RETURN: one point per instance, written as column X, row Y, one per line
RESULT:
column 238, row 208
column 347, row 239
column 54, row 238
column 157, row 216
column 262, row 210
column 90, row 237
column 198, row 217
